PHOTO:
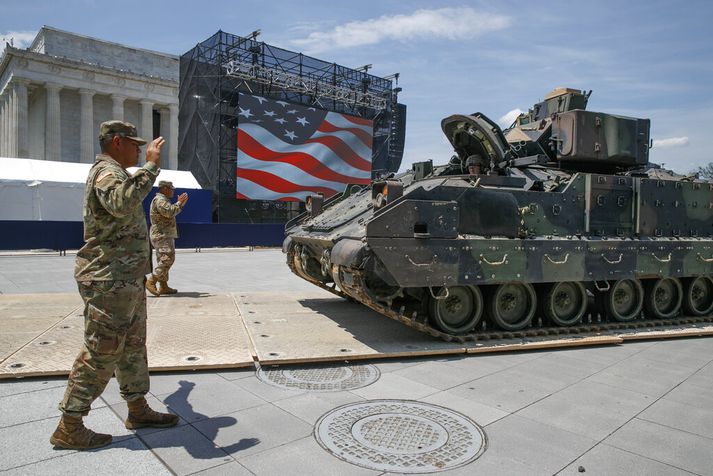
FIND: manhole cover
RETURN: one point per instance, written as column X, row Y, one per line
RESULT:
column 322, row 378
column 400, row 436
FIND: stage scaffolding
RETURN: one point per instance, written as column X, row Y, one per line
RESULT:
column 212, row 74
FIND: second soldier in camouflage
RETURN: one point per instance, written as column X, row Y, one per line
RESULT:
column 163, row 235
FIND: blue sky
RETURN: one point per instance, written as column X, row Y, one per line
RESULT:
column 651, row 59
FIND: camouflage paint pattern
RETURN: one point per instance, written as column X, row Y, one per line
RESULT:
column 110, row 270
column 115, row 233
column 165, row 256
column 569, row 197
column 114, row 342
column 163, row 233
column 163, row 217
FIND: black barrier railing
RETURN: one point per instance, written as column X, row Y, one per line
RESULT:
column 68, row 235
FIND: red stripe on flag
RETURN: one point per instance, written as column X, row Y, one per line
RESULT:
column 300, row 160
column 363, row 136
column 357, row 120
column 278, row 184
column 345, row 152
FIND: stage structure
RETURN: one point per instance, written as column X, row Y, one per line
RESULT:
column 225, row 69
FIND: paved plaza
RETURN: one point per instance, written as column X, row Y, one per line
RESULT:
column 638, row 408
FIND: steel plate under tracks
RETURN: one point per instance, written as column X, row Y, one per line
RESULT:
column 400, row 436
column 321, row 378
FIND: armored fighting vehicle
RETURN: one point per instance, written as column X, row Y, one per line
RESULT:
column 557, row 221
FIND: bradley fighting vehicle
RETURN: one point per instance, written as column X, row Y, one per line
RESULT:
column 558, row 221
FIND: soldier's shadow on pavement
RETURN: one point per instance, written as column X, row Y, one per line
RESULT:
column 178, row 403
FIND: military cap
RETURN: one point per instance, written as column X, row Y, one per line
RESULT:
column 120, row 128
column 165, row 183
column 474, row 160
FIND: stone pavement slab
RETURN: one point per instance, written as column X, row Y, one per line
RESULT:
column 643, row 375
column 299, row 458
column 607, row 460
column 254, row 430
column 128, row 457
column 697, row 420
column 185, row 449
column 588, row 408
column 668, row 445
column 26, row 443
column 543, row 448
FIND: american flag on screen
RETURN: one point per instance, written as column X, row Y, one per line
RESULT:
column 287, row 152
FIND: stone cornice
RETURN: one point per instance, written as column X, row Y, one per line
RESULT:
column 97, row 40
column 41, row 68
column 89, row 67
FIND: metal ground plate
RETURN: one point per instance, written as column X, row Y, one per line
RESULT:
column 320, row 378
column 184, row 337
column 309, row 327
column 400, row 436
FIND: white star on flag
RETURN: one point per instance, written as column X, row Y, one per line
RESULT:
column 290, row 134
column 303, row 121
column 269, row 113
column 245, row 113
column 280, row 120
column 260, row 99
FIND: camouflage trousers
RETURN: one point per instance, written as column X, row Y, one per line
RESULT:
column 114, row 342
column 165, row 256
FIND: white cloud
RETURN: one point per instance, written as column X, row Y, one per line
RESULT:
column 670, row 142
column 508, row 118
column 20, row 39
column 449, row 23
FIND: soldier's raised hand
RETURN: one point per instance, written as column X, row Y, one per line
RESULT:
column 183, row 198
column 153, row 151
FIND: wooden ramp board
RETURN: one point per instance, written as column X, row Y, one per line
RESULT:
column 549, row 342
column 23, row 317
column 182, row 337
column 317, row 326
column 693, row 330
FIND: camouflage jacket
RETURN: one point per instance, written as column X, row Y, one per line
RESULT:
column 163, row 217
column 115, row 233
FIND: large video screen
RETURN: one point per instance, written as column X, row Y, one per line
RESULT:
column 288, row 151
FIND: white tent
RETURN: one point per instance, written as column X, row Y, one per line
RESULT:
column 46, row 190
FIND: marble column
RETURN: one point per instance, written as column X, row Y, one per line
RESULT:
column 117, row 106
column 23, row 136
column 53, row 134
column 173, row 137
column 86, row 125
column 12, row 122
column 165, row 131
column 146, row 119
column 3, row 132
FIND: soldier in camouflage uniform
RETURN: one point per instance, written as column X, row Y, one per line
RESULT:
column 163, row 235
column 110, row 271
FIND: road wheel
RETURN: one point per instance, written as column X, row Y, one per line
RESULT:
column 564, row 304
column 511, row 306
column 457, row 309
column 663, row 298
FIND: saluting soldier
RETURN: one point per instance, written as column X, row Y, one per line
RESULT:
column 110, row 270
column 163, row 236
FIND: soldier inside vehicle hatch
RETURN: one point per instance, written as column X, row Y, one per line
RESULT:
column 474, row 164
column 110, row 270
